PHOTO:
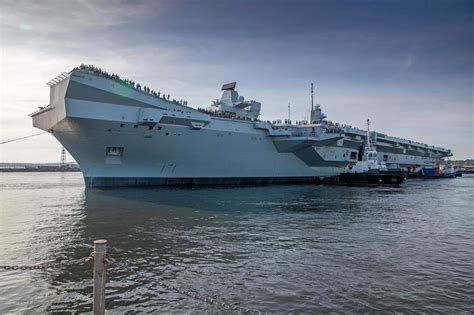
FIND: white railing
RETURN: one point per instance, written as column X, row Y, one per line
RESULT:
column 57, row 79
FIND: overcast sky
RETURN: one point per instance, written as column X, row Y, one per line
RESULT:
column 406, row 65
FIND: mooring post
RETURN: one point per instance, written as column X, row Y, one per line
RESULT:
column 100, row 251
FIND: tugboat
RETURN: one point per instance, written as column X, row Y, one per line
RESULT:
column 370, row 171
column 448, row 171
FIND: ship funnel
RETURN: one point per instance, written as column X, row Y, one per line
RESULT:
column 317, row 115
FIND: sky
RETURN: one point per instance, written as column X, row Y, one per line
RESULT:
column 406, row 65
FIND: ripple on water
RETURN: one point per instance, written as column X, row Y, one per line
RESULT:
column 305, row 249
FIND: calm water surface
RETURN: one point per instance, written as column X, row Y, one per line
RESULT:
column 278, row 249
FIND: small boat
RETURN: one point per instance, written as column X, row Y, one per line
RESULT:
column 434, row 172
column 371, row 171
column 427, row 171
column 448, row 171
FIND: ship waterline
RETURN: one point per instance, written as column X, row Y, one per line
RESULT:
column 121, row 136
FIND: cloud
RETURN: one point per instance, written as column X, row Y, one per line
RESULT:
column 409, row 70
column 54, row 17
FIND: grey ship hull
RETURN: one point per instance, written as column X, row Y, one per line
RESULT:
column 121, row 136
column 176, row 155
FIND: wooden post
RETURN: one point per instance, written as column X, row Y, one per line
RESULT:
column 100, row 250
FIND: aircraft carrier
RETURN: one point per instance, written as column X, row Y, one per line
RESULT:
column 123, row 134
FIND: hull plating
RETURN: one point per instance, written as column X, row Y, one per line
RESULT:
column 176, row 155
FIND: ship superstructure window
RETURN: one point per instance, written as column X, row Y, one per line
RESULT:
column 353, row 155
column 114, row 151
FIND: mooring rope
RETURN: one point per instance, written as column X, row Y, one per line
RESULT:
column 21, row 138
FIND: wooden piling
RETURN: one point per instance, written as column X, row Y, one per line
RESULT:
column 100, row 251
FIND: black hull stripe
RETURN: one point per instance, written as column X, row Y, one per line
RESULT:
column 169, row 181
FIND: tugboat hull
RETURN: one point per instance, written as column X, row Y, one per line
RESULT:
column 373, row 178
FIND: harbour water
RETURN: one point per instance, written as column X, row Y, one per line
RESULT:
column 278, row 249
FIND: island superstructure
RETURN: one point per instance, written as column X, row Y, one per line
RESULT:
column 122, row 134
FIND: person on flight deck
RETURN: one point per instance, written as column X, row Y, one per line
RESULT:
column 168, row 96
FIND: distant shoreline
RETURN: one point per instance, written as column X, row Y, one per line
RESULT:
column 35, row 170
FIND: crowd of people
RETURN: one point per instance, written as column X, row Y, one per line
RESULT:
column 280, row 121
column 305, row 122
column 225, row 114
column 133, row 84
column 333, row 127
